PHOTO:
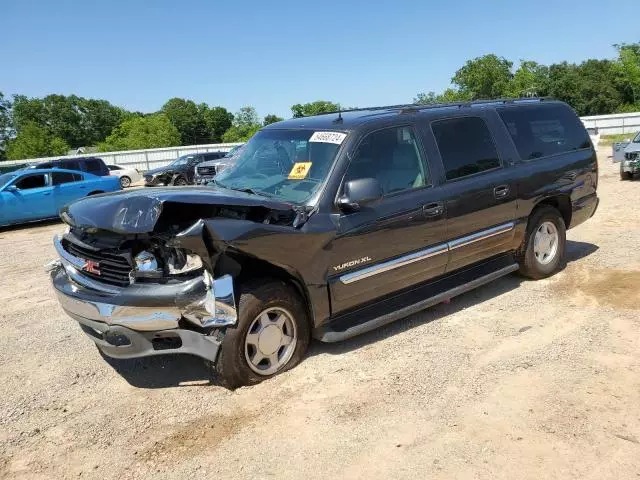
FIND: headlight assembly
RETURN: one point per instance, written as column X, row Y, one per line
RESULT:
column 183, row 262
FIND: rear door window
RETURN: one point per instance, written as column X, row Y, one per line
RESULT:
column 93, row 166
column 70, row 165
column 466, row 146
column 543, row 130
column 58, row 178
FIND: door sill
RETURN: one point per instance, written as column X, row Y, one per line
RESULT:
column 419, row 298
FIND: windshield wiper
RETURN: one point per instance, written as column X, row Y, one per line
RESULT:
column 248, row 190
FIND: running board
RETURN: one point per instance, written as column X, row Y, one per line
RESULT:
column 335, row 330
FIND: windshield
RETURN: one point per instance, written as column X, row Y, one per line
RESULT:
column 637, row 139
column 287, row 164
column 183, row 160
column 6, row 178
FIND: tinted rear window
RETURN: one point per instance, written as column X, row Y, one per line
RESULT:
column 70, row 165
column 93, row 166
column 540, row 131
column 466, row 146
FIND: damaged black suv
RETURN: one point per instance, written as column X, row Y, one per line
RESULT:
column 327, row 227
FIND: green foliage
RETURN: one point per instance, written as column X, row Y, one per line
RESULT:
column 6, row 124
column 188, row 118
column 530, row 80
column 314, row 108
column 488, row 76
column 152, row 131
column 269, row 119
column 616, row 137
column 78, row 121
column 218, row 120
column 628, row 65
column 450, row 95
column 33, row 141
column 245, row 124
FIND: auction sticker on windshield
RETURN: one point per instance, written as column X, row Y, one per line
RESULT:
column 299, row 170
column 328, row 137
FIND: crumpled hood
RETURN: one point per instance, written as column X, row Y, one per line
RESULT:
column 138, row 211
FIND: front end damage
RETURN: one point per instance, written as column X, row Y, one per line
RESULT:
column 145, row 276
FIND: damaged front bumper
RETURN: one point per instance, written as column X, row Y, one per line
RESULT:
column 146, row 319
column 630, row 166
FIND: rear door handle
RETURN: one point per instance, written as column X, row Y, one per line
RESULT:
column 501, row 191
column 433, row 209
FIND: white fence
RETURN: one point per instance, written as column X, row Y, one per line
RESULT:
column 141, row 159
column 614, row 123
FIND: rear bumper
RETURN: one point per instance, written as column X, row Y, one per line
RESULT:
column 583, row 209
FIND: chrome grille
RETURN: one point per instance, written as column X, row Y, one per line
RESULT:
column 206, row 170
column 115, row 268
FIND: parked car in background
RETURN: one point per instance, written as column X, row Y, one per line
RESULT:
column 127, row 176
column 328, row 227
column 93, row 165
column 630, row 164
column 179, row 172
column 30, row 195
column 206, row 171
column 594, row 135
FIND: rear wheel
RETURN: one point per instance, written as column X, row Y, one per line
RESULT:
column 542, row 252
column 272, row 335
column 125, row 181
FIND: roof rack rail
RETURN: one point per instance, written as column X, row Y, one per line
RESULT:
column 415, row 107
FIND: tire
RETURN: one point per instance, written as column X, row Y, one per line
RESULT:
column 180, row 182
column 233, row 369
column 125, row 181
column 625, row 175
column 533, row 262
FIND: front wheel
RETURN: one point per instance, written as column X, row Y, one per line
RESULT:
column 271, row 336
column 180, row 181
column 625, row 175
column 542, row 253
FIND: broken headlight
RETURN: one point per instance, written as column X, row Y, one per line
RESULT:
column 183, row 262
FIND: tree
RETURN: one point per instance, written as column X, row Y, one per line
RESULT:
column 188, row 119
column 628, row 65
column 153, row 131
column 218, row 120
column 6, row 124
column 34, row 141
column 314, row 108
column 530, row 80
column 450, row 95
column 79, row 121
column 245, row 124
column 269, row 119
column 484, row 77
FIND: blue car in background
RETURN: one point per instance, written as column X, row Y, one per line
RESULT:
column 30, row 195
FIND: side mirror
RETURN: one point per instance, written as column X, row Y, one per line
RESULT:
column 11, row 188
column 360, row 193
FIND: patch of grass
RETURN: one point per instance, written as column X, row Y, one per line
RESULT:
column 616, row 137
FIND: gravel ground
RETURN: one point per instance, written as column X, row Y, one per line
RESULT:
column 518, row 379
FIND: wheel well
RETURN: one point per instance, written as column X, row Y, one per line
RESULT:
column 562, row 203
column 254, row 268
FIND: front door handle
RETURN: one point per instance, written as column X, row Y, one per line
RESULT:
column 433, row 209
column 501, row 191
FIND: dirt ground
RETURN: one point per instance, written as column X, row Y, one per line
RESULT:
column 516, row 380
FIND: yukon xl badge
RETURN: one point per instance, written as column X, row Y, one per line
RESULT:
column 352, row 263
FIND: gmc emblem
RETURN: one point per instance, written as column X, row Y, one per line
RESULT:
column 91, row 267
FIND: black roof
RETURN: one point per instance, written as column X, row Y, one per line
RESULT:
column 351, row 119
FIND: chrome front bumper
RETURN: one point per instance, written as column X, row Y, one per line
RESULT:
column 145, row 319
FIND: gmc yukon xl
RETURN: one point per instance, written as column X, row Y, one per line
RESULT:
column 327, row 227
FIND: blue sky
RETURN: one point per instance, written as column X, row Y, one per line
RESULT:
column 274, row 53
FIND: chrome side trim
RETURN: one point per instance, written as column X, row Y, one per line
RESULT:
column 424, row 254
column 393, row 264
column 482, row 235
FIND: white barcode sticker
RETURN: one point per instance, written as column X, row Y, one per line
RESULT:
column 328, row 137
